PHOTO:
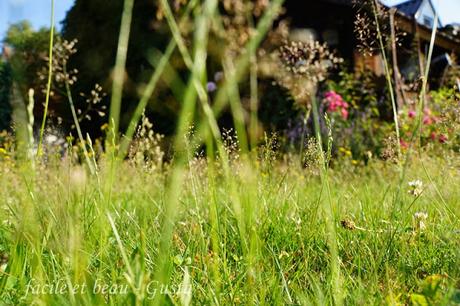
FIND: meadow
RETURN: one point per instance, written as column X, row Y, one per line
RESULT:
column 257, row 234
column 359, row 211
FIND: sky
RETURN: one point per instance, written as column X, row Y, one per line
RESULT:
column 38, row 11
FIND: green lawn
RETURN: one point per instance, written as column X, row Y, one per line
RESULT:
column 253, row 233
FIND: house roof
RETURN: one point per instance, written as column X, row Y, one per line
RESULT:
column 409, row 8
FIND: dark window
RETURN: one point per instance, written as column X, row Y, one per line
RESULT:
column 428, row 21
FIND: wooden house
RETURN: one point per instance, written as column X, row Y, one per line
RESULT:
column 333, row 21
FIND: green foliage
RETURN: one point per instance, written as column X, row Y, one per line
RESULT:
column 440, row 123
column 447, row 102
column 433, row 292
column 29, row 51
column 369, row 119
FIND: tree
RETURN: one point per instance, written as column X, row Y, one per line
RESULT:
column 95, row 24
column 27, row 60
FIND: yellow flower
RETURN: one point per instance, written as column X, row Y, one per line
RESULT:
column 104, row 127
column 345, row 151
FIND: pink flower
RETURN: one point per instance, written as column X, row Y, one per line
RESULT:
column 403, row 144
column 335, row 103
column 433, row 136
column 443, row 138
column 412, row 114
column 427, row 120
column 332, row 106
column 332, row 94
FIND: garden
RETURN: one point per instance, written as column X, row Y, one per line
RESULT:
column 194, row 152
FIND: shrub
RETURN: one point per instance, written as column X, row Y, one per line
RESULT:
column 440, row 120
column 359, row 113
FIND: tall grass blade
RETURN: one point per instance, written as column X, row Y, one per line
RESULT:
column 375, row 7
column 48, row 86
column 119, row 71
column 90, row 164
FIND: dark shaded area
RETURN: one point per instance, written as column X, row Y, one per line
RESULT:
column 277, row 110
column 96, row 24
column 332, row 21
column 5, row 88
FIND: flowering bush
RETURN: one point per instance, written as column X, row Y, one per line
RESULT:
column 336, row 104
column 440, row 123
column 357, row 106
column 429, row 131
column 6, row 145
column 448, row 102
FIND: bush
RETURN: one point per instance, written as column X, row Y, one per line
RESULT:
column 440, row 120
column 359, row 113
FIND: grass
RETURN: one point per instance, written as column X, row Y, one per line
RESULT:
column 272, row 249
column 48, row 86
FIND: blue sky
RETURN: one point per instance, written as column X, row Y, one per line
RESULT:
column 38, row 11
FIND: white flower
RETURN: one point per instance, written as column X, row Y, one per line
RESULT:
column 50, row 138
column 3, row 262
column 419, row 220
column 415, row 188
column 416, row 183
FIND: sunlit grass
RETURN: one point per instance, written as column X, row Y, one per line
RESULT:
column 272, row 248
